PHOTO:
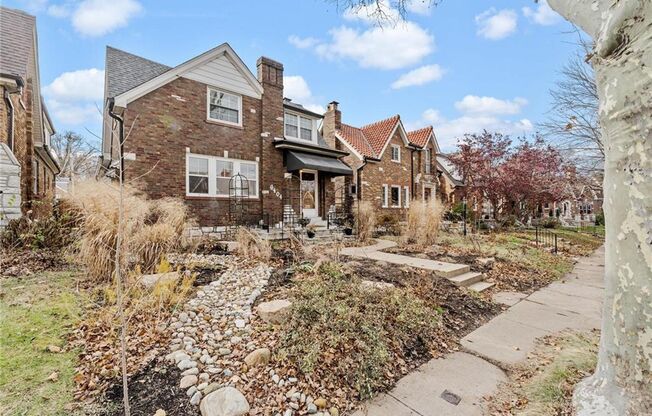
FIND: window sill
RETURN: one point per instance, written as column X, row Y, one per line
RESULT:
column 224, row 124
column 396, row 161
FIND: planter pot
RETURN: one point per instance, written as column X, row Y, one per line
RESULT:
column 310, row 234
column 348, row 231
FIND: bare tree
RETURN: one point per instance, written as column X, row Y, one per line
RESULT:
column 573, row 124
column 75, row 155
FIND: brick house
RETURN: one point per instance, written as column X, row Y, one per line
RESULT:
column 27, row 168
column 451, row 184
column 194, row 127
column 391, row 166
column 580, row 203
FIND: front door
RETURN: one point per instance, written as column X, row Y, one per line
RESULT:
column 309, row 194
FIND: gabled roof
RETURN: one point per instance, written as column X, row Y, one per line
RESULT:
column 125, row 71
column 420, row 137
column 372, row 139
column 17, row 31
column 449, row 170
column 171, row 74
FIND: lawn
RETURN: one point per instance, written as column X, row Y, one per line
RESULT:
column 38, row 312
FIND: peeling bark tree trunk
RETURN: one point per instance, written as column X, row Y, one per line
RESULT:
column 622, row 30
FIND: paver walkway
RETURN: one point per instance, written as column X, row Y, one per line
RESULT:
column 573, row 302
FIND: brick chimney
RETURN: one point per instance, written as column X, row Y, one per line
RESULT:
column 332, row 122
column 270, row 75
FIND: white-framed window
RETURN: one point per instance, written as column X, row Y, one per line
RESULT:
column 428, row 161
column 299, row 127
column 406, row 202
column 395, row 196
column 396, row 153
column 224, row 107
column 211, row 175
column 385, row 196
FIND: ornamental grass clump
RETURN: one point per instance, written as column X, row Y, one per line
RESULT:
column 150, row 228
column 423, row 223
column 365, row 220
column 344, row 331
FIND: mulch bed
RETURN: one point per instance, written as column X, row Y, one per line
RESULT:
column 461, row 311
column 25, row 262
column 154, row 387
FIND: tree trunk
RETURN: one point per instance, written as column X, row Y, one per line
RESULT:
column 622, row 30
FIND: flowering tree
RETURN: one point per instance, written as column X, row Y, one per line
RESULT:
column 478, row 160
column 533, row 174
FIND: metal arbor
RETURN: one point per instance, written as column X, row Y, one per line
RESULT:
column 238, row 200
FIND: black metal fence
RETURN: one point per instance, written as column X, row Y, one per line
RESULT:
column 544, row 238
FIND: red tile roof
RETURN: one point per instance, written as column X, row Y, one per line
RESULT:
column 420, row 137
column 369, row 140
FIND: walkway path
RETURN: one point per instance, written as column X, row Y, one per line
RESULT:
column 459, row 274
column 574, row 302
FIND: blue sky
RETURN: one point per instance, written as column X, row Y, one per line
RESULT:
column 462, row 66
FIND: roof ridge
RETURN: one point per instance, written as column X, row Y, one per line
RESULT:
column 397, row 116
column 137, row 56
column 422, row 128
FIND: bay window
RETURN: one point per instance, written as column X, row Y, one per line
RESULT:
column 211, row 175
column 224, row 107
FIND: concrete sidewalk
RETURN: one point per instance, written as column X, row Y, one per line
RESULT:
column 574, row 302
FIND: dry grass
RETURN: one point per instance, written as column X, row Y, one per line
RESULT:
column 252, row 246
column 151, row 228
column 423, row 222
column 365, row 220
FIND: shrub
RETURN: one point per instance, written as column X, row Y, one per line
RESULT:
column 424, row 220
column 251, row 245
column 599, row 218
column 53, row 231
column 370, row 328
column 150, row 228
column 365, row 220
column 389, row 223
column 549, row 223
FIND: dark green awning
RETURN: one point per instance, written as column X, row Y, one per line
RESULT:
column 300, row 160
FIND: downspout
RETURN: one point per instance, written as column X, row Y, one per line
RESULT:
column 10, row 108
column 412, row 150
column 358, row 174
column 120, row 121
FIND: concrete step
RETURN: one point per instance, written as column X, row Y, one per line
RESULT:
column 480, row 286
column 466, row 279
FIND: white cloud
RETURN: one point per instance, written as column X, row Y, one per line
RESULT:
column 296, row 88
column 388, row 43
column 477, row 114
column 73, row 97
column 422, row 7
column 490, row 105
column 84, row 84
column 71, row 114
column 303, row 43
column 543, row 15
column 496, row 25
column 99, row 17
column 395, row 47
column 419, row 76
column 59, row 10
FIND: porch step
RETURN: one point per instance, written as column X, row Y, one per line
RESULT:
column 480, row 286
column 466, row 279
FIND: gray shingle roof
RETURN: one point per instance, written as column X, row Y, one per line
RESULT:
column 125, row 71
column 16, row 41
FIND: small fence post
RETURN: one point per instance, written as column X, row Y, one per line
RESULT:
column 555, row 243
column 536, row 233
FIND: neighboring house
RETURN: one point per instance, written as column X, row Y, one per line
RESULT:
column 27, row 168
column 390, row 165
column 580, row 204
column 451, row 183
column 190, row 129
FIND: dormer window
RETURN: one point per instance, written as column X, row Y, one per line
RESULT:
column 299, row 127
column 224, row 107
